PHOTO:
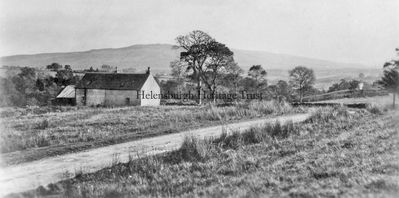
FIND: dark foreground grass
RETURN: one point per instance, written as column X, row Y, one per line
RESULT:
column 334, row 153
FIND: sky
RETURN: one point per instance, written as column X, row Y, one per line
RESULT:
column 350, row 31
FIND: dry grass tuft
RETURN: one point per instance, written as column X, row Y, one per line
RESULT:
column 60, row 129
column 333, row 154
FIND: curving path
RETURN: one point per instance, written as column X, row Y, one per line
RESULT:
column 30, row 175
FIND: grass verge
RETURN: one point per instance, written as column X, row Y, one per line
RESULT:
column 32, row 134
column 334, row 153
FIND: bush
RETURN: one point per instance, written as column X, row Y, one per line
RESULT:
column 42, row 125
column 256, row 135
column 280, row 131
column 233, row 141
column 323, row 115
column 374, row 109
column 194, row 149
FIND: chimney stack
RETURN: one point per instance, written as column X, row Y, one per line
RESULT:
column 148, row 70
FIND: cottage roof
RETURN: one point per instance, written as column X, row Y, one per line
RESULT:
column 67, row 92
column 119, row 81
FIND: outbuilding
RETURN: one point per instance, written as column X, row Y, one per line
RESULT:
column 117, row 89
column 66, row 96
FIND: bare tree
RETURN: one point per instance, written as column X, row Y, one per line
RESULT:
column 301, row 80
column 195, row 46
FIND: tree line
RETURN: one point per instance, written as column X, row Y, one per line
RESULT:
column 208, row 66
column 30, row 87
column 207, row 61
column 204, row 66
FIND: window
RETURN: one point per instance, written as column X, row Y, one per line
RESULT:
column 127, row 101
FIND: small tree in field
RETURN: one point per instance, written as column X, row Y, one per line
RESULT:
column 390, row 80
column 233, row 77
column 301, row 80
column 54, row 67
column 257, row 72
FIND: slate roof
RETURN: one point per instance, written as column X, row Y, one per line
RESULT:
column 67, row 92
column 113, row 81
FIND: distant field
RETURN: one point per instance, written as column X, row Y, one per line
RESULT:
column 335, row 153
column 30, row 134
column 377, row 100
column 326, row 77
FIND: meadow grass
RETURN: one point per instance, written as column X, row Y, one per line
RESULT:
column 376, row 100
column 335, row 153
column 37, row 133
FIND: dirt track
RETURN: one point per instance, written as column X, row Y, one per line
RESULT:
column 30, row 175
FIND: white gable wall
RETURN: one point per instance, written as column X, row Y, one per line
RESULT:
column 151, row 85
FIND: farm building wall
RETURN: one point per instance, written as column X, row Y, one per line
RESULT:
column 121, row 97
column 116, row 97
column 151, row 85
column 79, row 97
column 95, row 97
column 106, row 97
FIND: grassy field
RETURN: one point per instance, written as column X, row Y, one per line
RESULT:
column 376, row 100
column 335, row 153
column 30, row 134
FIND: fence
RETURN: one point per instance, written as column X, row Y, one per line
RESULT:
column 345, row 94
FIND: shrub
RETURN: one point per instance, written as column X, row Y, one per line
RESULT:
column 256, row 135
column 323, row 115
column 194, row 149
column 280, row 131
column 42, row 125
column 374, row 109
column 253, row 136
column 232, row 141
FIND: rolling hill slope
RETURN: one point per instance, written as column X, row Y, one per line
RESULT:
column 158, row 57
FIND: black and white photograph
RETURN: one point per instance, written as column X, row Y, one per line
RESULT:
column 199, row 98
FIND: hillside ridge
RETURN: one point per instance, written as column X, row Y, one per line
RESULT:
column 159, row 55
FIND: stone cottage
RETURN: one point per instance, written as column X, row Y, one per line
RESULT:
column 118, row 89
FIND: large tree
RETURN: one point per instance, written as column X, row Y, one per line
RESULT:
column 301, row 80
column 219, row 61
column 195, row 54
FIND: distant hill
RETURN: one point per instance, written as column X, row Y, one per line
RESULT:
column 158, row 57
